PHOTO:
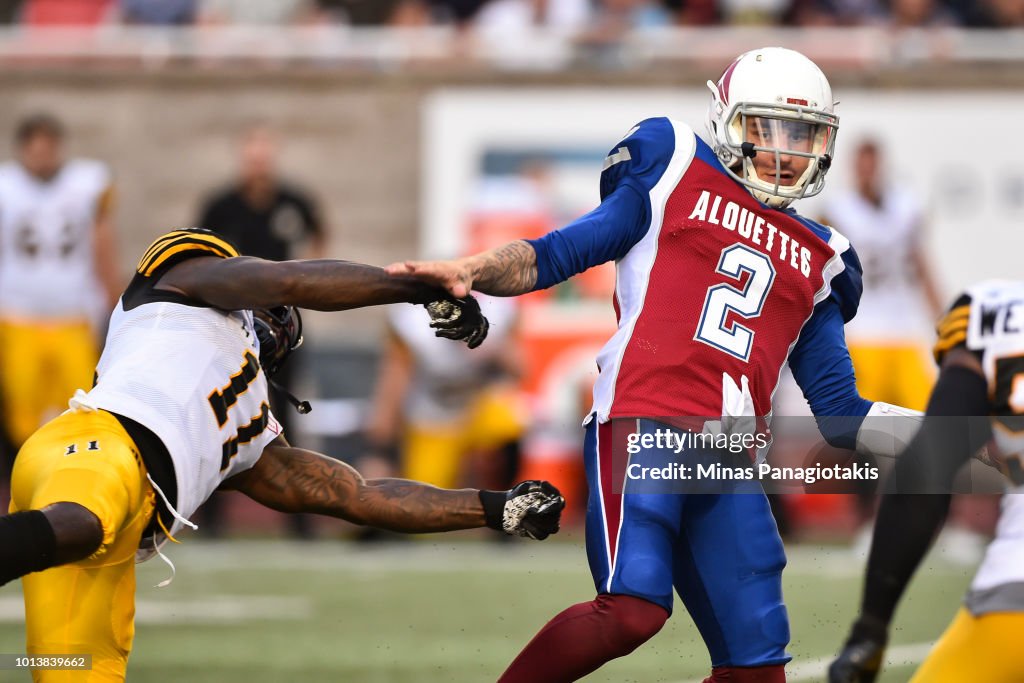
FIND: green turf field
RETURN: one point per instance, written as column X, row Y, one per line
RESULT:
column 436, row 610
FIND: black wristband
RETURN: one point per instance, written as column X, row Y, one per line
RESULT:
column 494, row 507
column 426, row 293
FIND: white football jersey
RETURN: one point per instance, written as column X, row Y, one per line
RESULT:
column 47, row 240
column 188, row 373
column 447, row 376
column 989, row 320
column 893, row 308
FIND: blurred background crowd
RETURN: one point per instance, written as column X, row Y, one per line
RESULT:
column 594, row 17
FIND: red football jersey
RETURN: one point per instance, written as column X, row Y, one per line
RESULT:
column 716, row 290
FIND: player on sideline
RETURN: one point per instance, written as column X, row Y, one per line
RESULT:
column 179, row 409
column 718, row 284
column 981, row 354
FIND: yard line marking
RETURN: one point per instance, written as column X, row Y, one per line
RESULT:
column 213, row 609
column 815, row 669
column 210, row 557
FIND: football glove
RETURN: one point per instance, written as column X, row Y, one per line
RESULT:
column 531, row 509
column 862, row 655
column 459, row 319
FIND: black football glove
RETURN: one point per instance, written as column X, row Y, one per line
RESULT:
column 862, row 655
column 459, row 319
column 531, row 509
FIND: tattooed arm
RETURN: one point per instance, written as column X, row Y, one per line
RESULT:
column 505, row 271
column 291, row 479
column 508, row 270
column 605, row 234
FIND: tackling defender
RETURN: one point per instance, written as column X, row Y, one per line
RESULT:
column 718, row 284
column 179, row 408
column 981, row 353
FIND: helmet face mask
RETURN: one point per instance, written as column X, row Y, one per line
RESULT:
column 772, row 125
column 279, row 331
column 805, row 141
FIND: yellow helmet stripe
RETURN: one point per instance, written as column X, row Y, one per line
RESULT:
column 947, row 342
column 173, row 237
column 957, row 315
column 157, row 244
column 216, row 247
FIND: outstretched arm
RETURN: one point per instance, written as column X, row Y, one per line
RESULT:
column 323, row 285
column 291, row 479
column 295, row 480
column 509, row 270
column 605, row 234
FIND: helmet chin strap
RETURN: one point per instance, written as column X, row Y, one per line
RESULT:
column 302, row 407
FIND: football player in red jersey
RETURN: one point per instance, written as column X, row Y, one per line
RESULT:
column 719, row 284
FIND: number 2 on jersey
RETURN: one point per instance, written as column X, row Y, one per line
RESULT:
column 715, row 329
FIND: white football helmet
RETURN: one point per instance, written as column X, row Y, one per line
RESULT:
column 774, row 101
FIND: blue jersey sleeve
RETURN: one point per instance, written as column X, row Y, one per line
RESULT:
column 631, row 170
column 641, row 158
column 848, row 286
column 822, row 367
column 604, row 234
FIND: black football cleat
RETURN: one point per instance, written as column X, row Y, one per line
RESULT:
column 859, row 662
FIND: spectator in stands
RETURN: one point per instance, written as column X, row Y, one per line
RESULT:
column 918, row 14
column 159, row 12
column 753, row 12
column 68, row 12
column 411, row 14
column 615, row 17
column 256, row 12
column 58, row 274
column 401, row 13
column 693, row 12
column 356, row 12
column 459, row 11
column 991, row 13
column 837, row 12
column 10, row 11
column 267, row 217
column 499, row 18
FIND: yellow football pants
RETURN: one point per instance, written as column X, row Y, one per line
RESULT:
column 41, row 366
column 901, row 375
column 983, row 649
column 435, row 453
column 87, row 607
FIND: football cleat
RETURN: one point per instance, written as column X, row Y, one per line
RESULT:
column 862, row 655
